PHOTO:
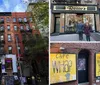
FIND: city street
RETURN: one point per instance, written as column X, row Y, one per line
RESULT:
column 74, row 37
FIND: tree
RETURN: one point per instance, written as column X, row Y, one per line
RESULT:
column 36, row 50
column 40, row 16
column 36, row 46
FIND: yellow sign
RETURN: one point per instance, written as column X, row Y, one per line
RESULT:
column 97, row 64
column 62, row 67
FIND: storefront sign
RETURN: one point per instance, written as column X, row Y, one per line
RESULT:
column 62, row 67
column 71, row 8
column 76, row 8
column 97, row 65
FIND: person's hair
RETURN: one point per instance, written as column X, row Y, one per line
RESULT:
column 79, row 21
column 87, row 22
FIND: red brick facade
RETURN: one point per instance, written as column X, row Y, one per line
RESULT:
column 76, row 48
column 13, row 32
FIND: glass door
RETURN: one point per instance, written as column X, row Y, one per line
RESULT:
column 57, row 25
column 82, row 66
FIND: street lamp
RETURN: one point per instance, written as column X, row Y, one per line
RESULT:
column 19, row 61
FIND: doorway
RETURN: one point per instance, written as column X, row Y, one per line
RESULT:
column 82, row 65
column 8, row 66
column 57, row 25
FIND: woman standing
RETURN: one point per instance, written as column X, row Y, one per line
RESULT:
column 87, row 30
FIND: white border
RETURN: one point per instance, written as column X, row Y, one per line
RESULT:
column 49, row 39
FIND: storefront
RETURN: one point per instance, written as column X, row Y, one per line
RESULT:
column 75, row 64
column 65, row 17
column 9, row 64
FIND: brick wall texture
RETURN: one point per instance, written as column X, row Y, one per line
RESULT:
column 93, row 48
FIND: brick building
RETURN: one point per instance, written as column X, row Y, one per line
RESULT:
column 66, row 13
column 13, row 27
column 82, row 50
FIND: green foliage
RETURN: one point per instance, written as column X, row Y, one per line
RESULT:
column 36, row 47
column 40, row 14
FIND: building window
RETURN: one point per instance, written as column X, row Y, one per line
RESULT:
column 30, row 19
column 1, row 37
column 9, row 37
column 27, row 27
column 1, row 48
column 10, row 49
column 21, row 27
column 15, row 28
column 14, row 19
column 2, row 27
column 19, row 49
column 20, row 19
column 8, row 19
column 16, row 36
column 2, row 20
column 71, row 21
column 25, row 20
column 8, row 27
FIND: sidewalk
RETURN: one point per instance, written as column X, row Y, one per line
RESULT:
column 69, row 37
column 96, row 36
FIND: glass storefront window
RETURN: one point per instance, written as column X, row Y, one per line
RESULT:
column 71, row 21
column 90, row 19
column 81, row 64
column 1, row 37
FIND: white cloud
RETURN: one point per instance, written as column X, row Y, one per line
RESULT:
column 26, row 1
column 29, row 1
column 6, row 3
column 1, row 10
column 19, row 8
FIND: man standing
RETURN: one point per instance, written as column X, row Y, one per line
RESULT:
column 80, row 28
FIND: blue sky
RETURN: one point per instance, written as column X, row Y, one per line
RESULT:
column 13, row 5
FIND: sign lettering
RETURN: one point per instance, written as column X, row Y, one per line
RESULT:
column 76, row 7
column 62, row 67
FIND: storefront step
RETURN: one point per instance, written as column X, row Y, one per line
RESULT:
column 87, row 83
column 54, row 34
